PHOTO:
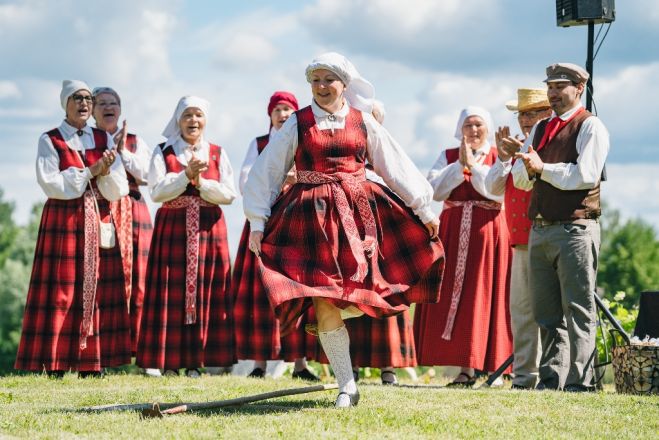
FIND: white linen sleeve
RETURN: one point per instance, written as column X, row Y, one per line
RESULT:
column 250, row 158
column 520, row 176
column 164, row 186
column 397, row 170
column 479, row 173
column 268, row 174
column 444, row 178
column 222, row 192
column 593, row 148
column 64, row 185
column 495, row 181
column 137, row 163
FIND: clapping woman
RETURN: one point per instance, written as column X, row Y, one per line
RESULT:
column 187, row 319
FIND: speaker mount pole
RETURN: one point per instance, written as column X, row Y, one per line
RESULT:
column 589, row 65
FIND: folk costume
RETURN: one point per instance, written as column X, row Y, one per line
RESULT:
column 334, row 234
column 187, row 319
column 76, row 314
column 470, row 326
column 134, row 227
column 258, row 335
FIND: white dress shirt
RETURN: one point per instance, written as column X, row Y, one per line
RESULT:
column 164, row 186
column 72, row 182
column 248, row 163
column 136, row 163
column 388, row 159
column 592, row 146
column 445, row 177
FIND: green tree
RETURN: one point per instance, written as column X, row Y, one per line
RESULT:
column 629, row 258
column 8, row 229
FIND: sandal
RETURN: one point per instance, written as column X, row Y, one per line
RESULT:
column 467, row 383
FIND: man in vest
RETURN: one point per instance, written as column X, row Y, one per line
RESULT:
column 562, row 165
column 531, row 106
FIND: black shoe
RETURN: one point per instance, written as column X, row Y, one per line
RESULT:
column 170, row 373
column 541, row 386
column 258, row 373
column 578, row 388
column 88, row 374
column 55, row 374
column 342, row 403
column 466, row 383
column 388, row 378
column 305, row 374
column 520, row 387
column 193, row 373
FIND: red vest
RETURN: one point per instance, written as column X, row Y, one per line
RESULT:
column 70, row 158
column 261, row 142
column 343, row 151
column 516, row 206
column 174, row 166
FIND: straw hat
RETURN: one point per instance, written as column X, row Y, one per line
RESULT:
column 529, row 99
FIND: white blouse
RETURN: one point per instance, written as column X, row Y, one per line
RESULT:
column 137, row 163
column 164, row 186
column 388, row 159
column 592, row 146
column 445, row 177
column 72, row 182
column 248, row 163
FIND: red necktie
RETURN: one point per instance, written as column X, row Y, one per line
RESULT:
column 550, row 131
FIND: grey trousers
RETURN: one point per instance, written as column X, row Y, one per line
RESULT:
column 526, row 339
column 563, row 268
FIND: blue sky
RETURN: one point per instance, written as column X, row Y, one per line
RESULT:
column 426, row 58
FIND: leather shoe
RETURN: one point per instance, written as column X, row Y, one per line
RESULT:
column 305, row 374
column 520, row 387
column 346, row 400
column 258, row 373
column 388, row 378
column 466, row 383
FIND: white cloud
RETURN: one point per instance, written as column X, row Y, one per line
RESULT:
column 632, row 189
column 9, row 89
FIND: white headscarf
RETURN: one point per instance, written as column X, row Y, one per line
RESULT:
column 473, row 110
column 359, row 92
column 172, row 131
column 69, row 87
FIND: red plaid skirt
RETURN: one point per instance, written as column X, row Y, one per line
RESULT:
column 142, row 232
column 165, row 341
column 257, row 330
column 305, row 253
column 481, row 336
column 53, row 311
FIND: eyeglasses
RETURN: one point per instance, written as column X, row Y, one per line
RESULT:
column 79, row 98
column 106, row 103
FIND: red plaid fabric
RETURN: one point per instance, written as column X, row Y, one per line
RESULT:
column 165, row 340
column 257, row 330
column 305, row 252
column 54, row 309
column 481, row 337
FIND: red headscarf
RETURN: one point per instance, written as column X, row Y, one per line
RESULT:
column 282, row 97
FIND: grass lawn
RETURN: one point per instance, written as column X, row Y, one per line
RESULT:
column 38, row 407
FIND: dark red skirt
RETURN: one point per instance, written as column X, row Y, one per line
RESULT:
column 165, row 341
column 305, row 253
column 257, row 330
column 481, row 336
column 142, row 232
column 53, row 311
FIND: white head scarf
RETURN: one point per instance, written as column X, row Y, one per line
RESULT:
column 172, row 131
column 473, row 110
column 359, row 92
column 378, row 111
column 69, row 87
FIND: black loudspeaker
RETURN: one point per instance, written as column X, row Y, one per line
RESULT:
column 580, row 12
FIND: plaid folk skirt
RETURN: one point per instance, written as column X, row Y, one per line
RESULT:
column 306, row 253
column 165, row 340
column 53, row 312
column 257, row 330
column 142, row 232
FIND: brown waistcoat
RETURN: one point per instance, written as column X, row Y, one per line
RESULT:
column 554, row 204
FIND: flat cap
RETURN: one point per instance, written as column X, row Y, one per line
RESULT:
column 566, row 72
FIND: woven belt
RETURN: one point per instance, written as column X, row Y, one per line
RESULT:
column 122, row 213
column 342, row 184
column 463, row 250
column 191, row 204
